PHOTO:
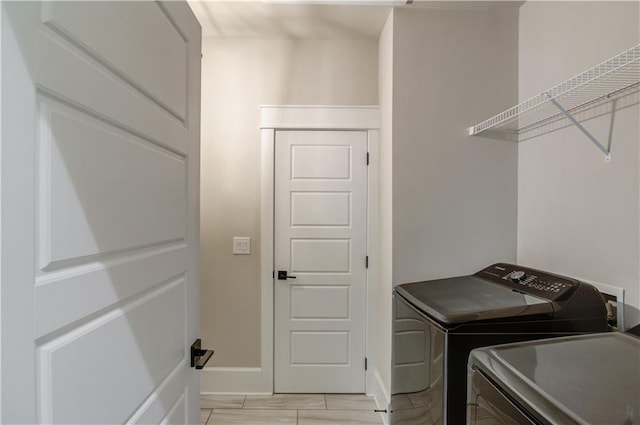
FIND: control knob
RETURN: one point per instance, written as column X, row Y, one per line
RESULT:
column 517, row 276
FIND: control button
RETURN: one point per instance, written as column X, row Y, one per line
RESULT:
column 517, row 276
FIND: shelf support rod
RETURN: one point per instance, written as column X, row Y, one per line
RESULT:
column 575, row 122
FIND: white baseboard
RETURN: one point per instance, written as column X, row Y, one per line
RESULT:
column 380, row 394
column 234, row 380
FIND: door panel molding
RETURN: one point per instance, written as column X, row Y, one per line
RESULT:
column 163, row 80
column 117, row 104
column 162, row 349
column 54, row 291
column 82, row 159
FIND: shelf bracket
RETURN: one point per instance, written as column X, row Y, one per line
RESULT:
column 586, row 132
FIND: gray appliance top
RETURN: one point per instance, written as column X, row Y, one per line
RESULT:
column 588, row 379
column 470, row 298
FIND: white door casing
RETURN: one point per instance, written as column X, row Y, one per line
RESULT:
column 291, row 117
column 100, row 186
column 320, row 238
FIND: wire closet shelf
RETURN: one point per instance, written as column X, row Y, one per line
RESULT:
column 601, row 83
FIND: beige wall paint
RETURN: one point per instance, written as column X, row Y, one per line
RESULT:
column 454, row 196
column 578, row 215
column 383, row 319
column 238, row 75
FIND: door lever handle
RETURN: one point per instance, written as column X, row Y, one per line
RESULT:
column 199, row 356
column 283, row 275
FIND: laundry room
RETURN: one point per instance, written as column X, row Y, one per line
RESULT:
column 315, row 212
column 450, row 204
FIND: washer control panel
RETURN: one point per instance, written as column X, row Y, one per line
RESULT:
column 534, row 282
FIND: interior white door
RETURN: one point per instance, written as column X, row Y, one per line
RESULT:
column 320, row 239
column 100, row 182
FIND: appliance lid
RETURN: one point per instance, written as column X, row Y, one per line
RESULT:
column 587, row 379
column 469, row 298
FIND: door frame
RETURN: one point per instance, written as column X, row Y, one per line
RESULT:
column 273, row 118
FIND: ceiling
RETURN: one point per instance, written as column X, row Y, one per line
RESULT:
column 317, row 19
column 258, row 19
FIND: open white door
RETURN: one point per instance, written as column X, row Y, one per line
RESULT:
column 100, row 182
column 320, row 239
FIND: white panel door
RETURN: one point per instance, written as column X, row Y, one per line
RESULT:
column 320, row 239
column 100, row 182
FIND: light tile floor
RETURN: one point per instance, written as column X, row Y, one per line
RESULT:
column 289, row 409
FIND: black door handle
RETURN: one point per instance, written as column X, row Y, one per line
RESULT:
column 199, row 356
column 282, row 275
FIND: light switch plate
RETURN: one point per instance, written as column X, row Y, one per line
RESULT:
column 241, row 245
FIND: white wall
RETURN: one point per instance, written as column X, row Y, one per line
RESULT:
column 383, row 319
column 237, row 76
column 454, row 196
column 578, row 215
column 448, row 201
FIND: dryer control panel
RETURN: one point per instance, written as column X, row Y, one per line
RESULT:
column 535, row 282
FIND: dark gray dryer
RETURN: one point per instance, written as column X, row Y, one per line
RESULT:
column 437, row 323
column 585, row 379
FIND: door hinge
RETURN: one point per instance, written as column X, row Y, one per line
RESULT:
column 367, row 158
column 366, row 262
column 365, row 363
